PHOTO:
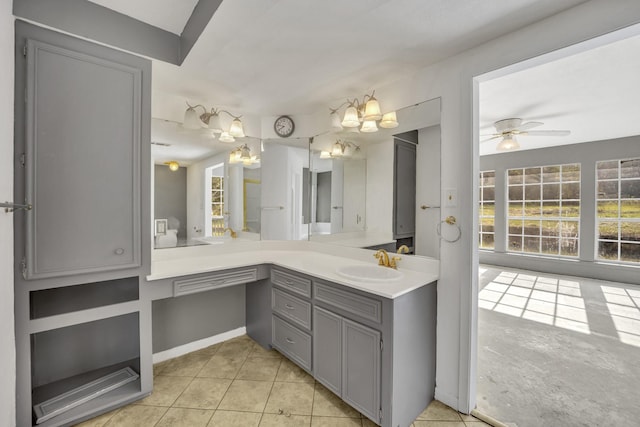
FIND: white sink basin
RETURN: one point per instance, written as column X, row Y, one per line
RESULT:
column 369, row 273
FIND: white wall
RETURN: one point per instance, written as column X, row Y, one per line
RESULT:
column 7, row 337
column 196, row 194
column 453, row 81
column 379, row 200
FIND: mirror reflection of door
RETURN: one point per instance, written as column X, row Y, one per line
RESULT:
column 251, row 205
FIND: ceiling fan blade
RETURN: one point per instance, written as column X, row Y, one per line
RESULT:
column 547, row 133
column 492, row 138
column 529, row 125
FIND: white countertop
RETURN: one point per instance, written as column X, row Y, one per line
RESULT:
column 316, row 259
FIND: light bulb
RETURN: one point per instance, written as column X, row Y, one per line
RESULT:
column 191, row 119
column 214, row 123
column 236, row 129
column 325, row 155
column 509, row 142
column 173, row 166
column 369, row 126
column 225, row 137
column 350, row 119
column 335, row 121
column 372, row 110
column 389, row 121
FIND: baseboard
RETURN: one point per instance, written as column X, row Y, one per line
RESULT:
column 197, row 345
column 449, row 400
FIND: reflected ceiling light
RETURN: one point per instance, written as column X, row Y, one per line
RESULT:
column 211, row 119
column 226, row 137
column 339, row 149
column 173, row 165
column 365, row 112
column 509, row 142
column 243, row 155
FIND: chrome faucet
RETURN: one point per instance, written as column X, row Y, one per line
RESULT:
column 383, row 259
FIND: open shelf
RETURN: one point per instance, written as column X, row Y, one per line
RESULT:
column 62, row 300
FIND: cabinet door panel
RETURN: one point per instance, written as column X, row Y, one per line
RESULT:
column 327, row 349
column 361, row 368
column 82, row 162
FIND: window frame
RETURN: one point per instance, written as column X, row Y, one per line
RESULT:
column 481, row 217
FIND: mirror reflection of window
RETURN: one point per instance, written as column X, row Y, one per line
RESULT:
column 215, row 199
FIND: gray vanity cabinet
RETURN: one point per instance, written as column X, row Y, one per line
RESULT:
column 327, row 351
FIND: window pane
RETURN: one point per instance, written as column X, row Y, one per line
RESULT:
column 515, row 226
column 550, row 245
column 488, row 178
column 487, row 209
column 571, row 191
column 515, row 243
column 608, row 209
column 569, row 229
column 630, row 168
column 488, row 193
column 630, row 209
column 630, row 231
column 607, row 170
column 550, row 228
column 515, row 176
column 532, row 228
column 551, row 209
column 216, row 210
column 608, row 250
column 608, row 190
column 551, row 191
column 630, row 189
column 515, row 209
column 569, row 247
column 532, row 176
column 551, row 174
column 531, row 244
column 532, row 209
column 216, row 183
column 571, row 172
column 608, row 230
column 630, row 252
column 216, row 197
column 486, row 241
column 571, row 209
column 532, row 192
column 515, row 192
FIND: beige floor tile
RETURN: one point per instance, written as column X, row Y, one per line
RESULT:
column 182, row 417
column 438, row 424
column 259, row 351
column 235, row 419
column 259, row 369
column 292, row 398
column 98, row 421
column 165, row 391
column 185, row 366
column 335, row 422
column 203, row 393
column 245, row 395
column 466, row 417
column 220, row 366
column 136, row 416
column 275, row 420
column 158, row 367
column 368, row 423
column 289, row 372
column 237, row 348
column 327, row 404
column 437, row 411
column 209, row 351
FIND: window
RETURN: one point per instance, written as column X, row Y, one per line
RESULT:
column 217, row 204
column 618, row 222
column 544, row 210
column 487, row 209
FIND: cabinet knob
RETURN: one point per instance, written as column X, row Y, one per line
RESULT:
column 289, row 340
column 289, row 306
column 119, row 251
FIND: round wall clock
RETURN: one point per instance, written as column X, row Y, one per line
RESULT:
column 284, row 126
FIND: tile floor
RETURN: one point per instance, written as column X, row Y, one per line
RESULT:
column 238, row 383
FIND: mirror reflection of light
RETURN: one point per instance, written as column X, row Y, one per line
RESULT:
column 546, row 300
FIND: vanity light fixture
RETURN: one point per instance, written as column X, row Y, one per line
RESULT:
column 339, row 149
column 243, row 155
column 508, row 143
column 211, row 119
column 173, row 165
column 365, row 114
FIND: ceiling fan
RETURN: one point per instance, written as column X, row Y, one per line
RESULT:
column 508, row 129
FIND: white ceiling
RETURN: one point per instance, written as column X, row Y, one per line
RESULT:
column 594, row 94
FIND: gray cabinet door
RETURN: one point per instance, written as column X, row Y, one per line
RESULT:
column 82, row 134
column 404, row 189
column 327, row 349
column 361, row 368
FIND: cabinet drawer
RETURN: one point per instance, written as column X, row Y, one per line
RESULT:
column 214, row 281
column 298, row 284
column 367, row 308
column 293, row 308
column 292, row 342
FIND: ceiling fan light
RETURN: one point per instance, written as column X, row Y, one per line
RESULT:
column 226, row 137
column 350, row 119
column 369, row 126
column 236, row 129
column 372, row 110
column 508, row 143
column 191, row 119
column 214, row 123
column 389, row 120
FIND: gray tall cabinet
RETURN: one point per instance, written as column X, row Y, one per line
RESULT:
column 82, row 161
